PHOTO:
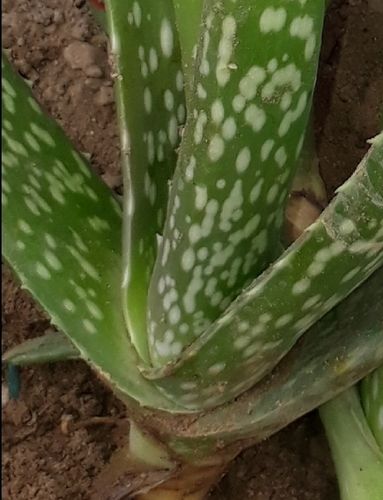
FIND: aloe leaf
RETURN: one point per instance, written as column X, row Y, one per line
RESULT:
column 51, row 347
column 331, row 258
column 252, row 89
column 343, row 347
column 62, row 234
column 150, row 101
column 357, row 457
column 372, row 399
column 189, row 23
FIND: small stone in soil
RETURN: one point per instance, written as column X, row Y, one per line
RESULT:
column 104, row 96
column 81, row 55
column 4, row 395
column 79, row 31
column 113, row 181
column 93, row 71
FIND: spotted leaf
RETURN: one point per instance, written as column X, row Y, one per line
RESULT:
column 341, row 348
column 252, row 88
column 331, row 258
column 150, row 98
column 61, row 235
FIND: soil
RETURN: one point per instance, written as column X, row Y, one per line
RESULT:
column 57, row 46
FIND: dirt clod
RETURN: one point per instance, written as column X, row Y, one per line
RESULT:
column 4, row 395
column 83, row 55
column 104, row 96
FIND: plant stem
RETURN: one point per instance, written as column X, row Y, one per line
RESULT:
column 357, row 457
column 193, row 483
column 144, row 469
column 146, row 450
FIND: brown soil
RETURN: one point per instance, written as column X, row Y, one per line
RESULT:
column 40, row 460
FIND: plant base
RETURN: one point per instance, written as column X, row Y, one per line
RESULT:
column 143, row 469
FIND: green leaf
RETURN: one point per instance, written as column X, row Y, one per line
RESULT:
column 331, row 258
column 343, row 347
column 252, row 91
column 51, row 347
column 372, row 399
column 189, row 24
column 62, row 237
column 150, row 100
column 357, row 457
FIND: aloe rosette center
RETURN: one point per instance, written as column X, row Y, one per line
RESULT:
column 247, row 115
column 214, row 314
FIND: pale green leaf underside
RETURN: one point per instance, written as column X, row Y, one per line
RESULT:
column 334, row 256
column 357, row 457
column 62, row 236
column 150, row 100
column 372, row 398
column 252, row 83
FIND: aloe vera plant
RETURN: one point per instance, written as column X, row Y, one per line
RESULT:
column 212, row 333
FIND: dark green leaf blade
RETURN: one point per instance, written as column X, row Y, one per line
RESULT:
column 151, row 105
